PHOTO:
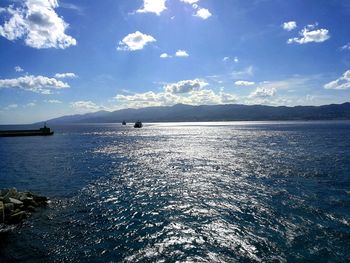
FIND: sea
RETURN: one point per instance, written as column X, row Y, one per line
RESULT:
column 183, row 192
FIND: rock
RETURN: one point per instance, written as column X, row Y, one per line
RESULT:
column 11, row 193
column 9, row 207
column 29, row 201
column 40, row 199
column 31, row 208
column 4, row 192
column 17, row 217
column 6, row 200
column 16, row 206
column 15, row 201
column 2, row 212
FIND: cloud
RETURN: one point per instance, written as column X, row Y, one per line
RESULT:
column 53, row 101
column 31, row 104
column 235, row 59
column 38, row 84
column 310, row 34
column 244, row 83
column 185, row 86
column 12, row 106
column 189, row 1
column 153, row 6
column 18, row 69
column 262, row 92
column 195, row 97
column 84, row 105
column 347, row 46
column 165, row 55
column 135, row 41
column 65, row 76
column 38, row 24
column 289, row 26
column 203, row 13
column 186, row 91
column 181, row 53
column 247, row 72
column 341, row 83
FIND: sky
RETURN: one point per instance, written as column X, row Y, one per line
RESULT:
column 72, row 57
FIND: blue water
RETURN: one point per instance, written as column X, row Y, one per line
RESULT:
column 183, row 192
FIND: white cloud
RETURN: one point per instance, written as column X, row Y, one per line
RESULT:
column 53, row 101
column 189, row 1
column 289, row 26
column 262, row 92
column 38, row 84
column 135, row 41
column 84, row 105
column 203, row 13
column 239, row 74
column 165, row 55
column 186, row 91
column 153, row 6
column 185, row 86
column 195, row 97
column 12, row 106
column 181, row 53
column 244, row 83
column 347, row 46
column 341, row 83
column 235, row 59
column 18, row 69
column 38, row 24
column 31, row 104
column 65, row 75
column 310, row 34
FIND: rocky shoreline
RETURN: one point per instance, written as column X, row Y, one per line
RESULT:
column 16, row 206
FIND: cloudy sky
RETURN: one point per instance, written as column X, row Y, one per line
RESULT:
column 69, row 56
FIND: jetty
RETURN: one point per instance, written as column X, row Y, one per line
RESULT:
column 45, row 131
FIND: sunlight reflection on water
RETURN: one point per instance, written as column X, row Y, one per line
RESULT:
column 210, row 193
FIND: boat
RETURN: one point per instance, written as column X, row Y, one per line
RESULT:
column 124, row 123
column 45, row 131
column 138, row 124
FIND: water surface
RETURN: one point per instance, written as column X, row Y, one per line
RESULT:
column 195, row 192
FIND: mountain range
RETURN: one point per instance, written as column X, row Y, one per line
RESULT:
column 227, row 112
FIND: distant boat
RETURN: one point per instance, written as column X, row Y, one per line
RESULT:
column 124, row 123
column 138, row 124
column 14, row 133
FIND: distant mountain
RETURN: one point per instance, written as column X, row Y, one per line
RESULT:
column 228, row 112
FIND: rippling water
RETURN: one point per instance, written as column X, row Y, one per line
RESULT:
column 207, row 192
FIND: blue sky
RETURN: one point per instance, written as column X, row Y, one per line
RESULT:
column 67, row 57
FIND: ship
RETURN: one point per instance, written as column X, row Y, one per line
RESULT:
column 138, row 124
column 45, row 131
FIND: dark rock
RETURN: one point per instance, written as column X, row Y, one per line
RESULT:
column 16, row 206
column 9, row 207
column 6, row 200
column 17, row 217
column 2, row 212
column 31, row 208
column 40, row 199
column 16, row 202
column 11, row 193
column 29, row 201
column 4, row 192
